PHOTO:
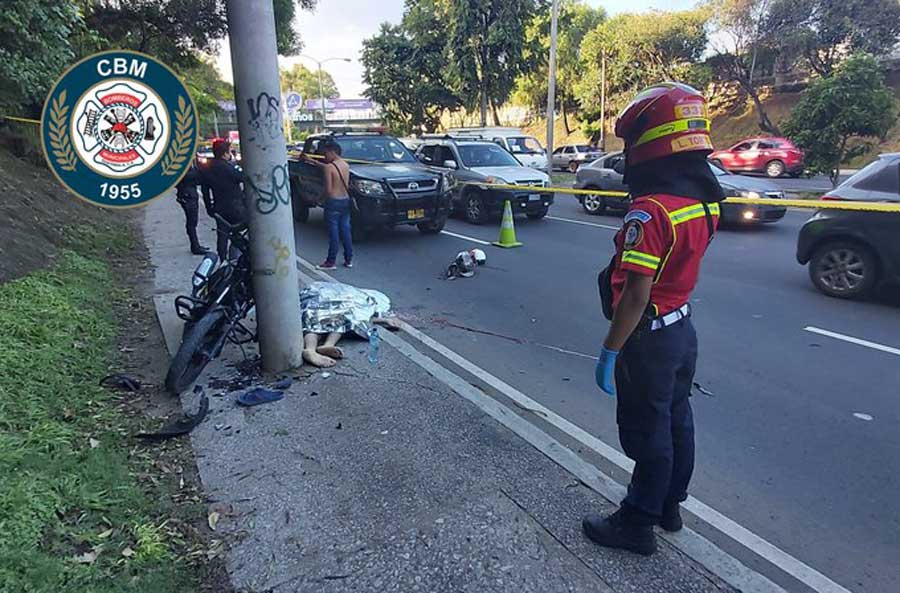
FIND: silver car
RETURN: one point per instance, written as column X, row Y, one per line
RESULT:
column 485, row 162
column 572, row 156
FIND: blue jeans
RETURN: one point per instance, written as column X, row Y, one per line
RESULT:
column 337, row 215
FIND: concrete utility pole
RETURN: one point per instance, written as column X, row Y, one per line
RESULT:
column 551, row 87
column 254, row 58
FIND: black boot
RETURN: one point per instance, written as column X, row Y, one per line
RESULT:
column 615, row 531
column 671, row 519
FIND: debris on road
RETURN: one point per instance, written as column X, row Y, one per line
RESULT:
column 179, row 427
column 465, row 264
column 121, row 382
column 703, row 389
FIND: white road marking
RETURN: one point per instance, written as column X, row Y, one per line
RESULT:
column 861, row 416
column 852, row 340
column 583, row 222
column 472, row 239
column 688, row 541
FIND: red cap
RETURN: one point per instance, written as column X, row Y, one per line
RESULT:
column 220, row 146
column 662, row 120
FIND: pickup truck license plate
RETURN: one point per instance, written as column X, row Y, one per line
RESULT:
column 534, row 198
column 415, row 214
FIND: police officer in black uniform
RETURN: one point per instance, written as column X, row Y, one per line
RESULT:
column 187, row 195
column 222, row 191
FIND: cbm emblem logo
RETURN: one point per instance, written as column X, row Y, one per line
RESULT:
column 119, row 129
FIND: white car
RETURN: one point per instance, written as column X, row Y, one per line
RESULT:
column 527, row 149
column 571, row 156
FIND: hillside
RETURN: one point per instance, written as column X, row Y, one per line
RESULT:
column 727, row 128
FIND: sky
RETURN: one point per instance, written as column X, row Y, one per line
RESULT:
column 337, row 29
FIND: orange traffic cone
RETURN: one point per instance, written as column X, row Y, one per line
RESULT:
column 507, row 229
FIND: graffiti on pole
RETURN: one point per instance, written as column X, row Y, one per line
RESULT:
column 264, row 120
column 276, row 192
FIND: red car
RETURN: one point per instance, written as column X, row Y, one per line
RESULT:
column 772, row 156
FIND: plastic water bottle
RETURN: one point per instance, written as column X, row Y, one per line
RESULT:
column 374, row 340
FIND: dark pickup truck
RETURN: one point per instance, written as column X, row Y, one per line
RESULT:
column 389, row 187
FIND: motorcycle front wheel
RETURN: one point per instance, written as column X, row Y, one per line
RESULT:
column 201, row 343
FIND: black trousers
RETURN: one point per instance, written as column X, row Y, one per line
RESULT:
column 190, row 205
column 654, row 375
column 232, row 216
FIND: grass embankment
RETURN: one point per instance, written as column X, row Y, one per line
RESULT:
column 73, row 514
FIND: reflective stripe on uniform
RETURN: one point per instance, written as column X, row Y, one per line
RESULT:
column 639, row 258
column 692, row 212
column 673, row 127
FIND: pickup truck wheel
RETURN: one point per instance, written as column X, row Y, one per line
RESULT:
column 538, row 214
column 474, row 208
column 775, row 169
column 843, row 269
column 432, row 227
column 593, row 204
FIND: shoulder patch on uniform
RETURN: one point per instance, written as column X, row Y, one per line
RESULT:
column 634, row 234
column 639, row 215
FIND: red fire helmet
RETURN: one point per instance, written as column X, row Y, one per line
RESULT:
column 662, row 120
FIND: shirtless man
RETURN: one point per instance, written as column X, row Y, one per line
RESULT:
column 336, row 175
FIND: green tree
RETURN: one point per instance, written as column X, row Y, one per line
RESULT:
column 301, row 79
column 485, row 48
column 742, row 45
column 824, row 32
column 34, row 51
column 405, row 69
column 575, row 21
column 640, row 49
column 206, row 87
column 838, row 117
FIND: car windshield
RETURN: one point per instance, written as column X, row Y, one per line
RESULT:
column 485, row 155
column 524, row 145
column 380, row 149
column 863, row 173
column 583, row 148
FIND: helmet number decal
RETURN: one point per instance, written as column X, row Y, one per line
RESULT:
column 690, row 110
column 692, row 142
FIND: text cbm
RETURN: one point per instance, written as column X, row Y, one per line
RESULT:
column 122, row 66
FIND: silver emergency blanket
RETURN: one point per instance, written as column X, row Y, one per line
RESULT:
column 332, row 307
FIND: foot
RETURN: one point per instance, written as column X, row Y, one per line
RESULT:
column 671, row 519
column 348, row 264
column 317, row 360
column 614, row 532
column 326, row 265
column 199, row 250
column 331, row 352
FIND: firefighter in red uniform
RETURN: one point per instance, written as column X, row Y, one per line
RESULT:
column 650, row 351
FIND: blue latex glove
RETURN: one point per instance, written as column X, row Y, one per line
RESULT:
column 605, row 372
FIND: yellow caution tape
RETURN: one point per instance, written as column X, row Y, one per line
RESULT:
column 811, row 204
column 21, row 119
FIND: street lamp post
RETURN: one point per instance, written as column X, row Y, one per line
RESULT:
column 551, row 86
column 321, row 86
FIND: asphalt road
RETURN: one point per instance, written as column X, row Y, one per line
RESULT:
column 780, row 450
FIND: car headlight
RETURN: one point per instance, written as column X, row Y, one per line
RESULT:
column 750, row 194
column 368, row 187
column 497, row 180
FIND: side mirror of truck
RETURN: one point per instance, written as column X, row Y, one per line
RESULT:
column 450, row 165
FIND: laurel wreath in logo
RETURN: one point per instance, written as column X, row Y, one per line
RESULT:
column 60, row 141
column 180, row 148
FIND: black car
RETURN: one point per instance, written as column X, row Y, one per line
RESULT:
column 852, row 254
column 388, row 186
column 602, row 174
